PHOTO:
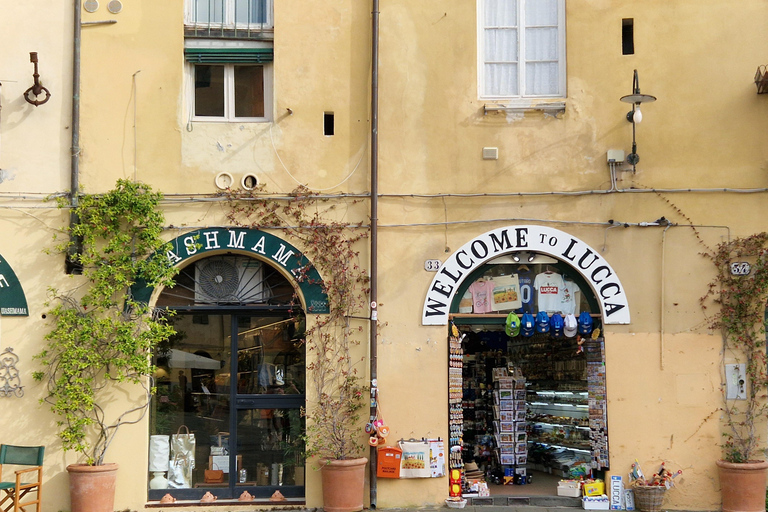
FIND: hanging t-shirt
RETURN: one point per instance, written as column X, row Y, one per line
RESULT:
column 465, row 304
column 549, row 287
column 525, row 280
column 482, row 296
column 506, row 293
column 569, row 304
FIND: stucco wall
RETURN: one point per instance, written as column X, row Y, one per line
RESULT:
column 705, row 131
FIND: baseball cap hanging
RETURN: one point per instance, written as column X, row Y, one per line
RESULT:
column 556, row 325
column 512, row 325
column 585, row 323
column 542, row 322
column 527, row 324
column 571, row 325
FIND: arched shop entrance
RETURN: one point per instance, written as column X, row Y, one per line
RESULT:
column 527, row 397
column 234, row 374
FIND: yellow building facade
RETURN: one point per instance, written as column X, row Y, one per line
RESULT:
column 501, row 135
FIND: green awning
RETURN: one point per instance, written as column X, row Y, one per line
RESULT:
column 13, row 302
column 229, row 55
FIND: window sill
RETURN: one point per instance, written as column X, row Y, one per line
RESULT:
column 552, row 108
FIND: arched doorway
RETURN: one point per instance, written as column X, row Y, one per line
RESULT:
column 526, row 398
column 234, row 375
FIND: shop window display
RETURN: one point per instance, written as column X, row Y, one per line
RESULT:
column 234, row 378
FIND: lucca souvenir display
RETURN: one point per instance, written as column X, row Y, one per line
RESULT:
column 532, row 381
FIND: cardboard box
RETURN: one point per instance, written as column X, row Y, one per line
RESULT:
column 595, row 502
column 617, row 493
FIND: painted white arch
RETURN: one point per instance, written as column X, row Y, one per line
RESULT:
column 531, row 238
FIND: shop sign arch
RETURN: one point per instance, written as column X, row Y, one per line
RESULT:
column 595, row 270
column 260, row 244
column 13, row 302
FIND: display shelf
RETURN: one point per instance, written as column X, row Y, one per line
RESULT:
column 560, row 424
column 582, row 447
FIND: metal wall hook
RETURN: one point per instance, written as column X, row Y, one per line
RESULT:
column 37, row 89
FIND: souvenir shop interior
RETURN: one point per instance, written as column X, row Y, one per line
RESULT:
column 527, row 379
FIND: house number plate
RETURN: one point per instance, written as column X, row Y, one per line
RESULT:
column 432, row 265
column 740, row 268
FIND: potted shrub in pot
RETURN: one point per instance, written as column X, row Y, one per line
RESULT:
column 336, row 394
column 741, row 292
column 100, row 336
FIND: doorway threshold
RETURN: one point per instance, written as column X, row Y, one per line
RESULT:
column 525, row 501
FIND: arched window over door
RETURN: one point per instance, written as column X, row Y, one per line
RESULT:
column 234, row 375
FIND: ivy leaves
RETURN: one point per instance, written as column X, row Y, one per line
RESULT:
column 100, row 334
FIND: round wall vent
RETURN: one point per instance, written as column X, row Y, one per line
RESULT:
column 90, row 5
column 115, row 6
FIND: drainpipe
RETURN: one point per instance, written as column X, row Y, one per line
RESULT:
column 374, row 232
column 76, row 244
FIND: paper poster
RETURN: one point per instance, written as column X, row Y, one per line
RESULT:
column 415, row 462
column 506, row 293
column 437, row 457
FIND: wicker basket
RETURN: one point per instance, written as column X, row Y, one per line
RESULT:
column 648, row 498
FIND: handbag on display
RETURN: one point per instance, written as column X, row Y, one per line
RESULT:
column 183, row 446
column 179, row 473
column 214, row 476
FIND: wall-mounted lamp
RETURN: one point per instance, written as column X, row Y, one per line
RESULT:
column 516, row 258
column 531, row 257
column 634, row 116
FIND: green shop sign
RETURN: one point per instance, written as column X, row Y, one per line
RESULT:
column 12, row 299
column 259, row 244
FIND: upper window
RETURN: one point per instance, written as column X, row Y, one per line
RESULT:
column 230, row 92
column 228, row 44
column 229, row 15
column 521, row 48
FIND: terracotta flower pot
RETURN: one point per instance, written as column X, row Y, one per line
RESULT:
column 92, row 488
column 343, row 485
column 742, row 485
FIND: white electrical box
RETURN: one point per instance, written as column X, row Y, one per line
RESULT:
column 615, row 156
column 736, row 381
column 490, row 153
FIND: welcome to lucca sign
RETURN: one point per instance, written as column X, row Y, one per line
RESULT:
column 540, row 239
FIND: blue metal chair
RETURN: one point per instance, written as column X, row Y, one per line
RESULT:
column 16, row 491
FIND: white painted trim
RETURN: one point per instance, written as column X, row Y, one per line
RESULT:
column 585, row 260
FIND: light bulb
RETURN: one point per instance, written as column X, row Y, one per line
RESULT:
column 637, row 116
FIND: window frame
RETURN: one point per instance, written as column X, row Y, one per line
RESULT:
column 229, row 17
column 521, row 99
column 229, row 94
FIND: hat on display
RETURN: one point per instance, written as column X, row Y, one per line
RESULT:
column 527, row 324
column 585, row 323
column 556, row 325
column 513, row 325
column 571, row 326
column 542, row 322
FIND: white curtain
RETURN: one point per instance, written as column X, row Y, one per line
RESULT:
column 502, row 42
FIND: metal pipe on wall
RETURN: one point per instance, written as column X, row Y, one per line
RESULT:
column 74, row 187
column 374, row 234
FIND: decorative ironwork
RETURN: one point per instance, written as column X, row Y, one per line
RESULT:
column 761, row 80
column 10, row 383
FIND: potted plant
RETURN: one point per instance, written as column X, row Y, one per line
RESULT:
column 741, row 293
column 334, row 429
column 100, row 336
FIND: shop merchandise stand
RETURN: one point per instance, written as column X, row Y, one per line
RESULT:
column 509, row 425
column 455, row 411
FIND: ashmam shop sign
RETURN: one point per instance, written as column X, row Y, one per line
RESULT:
column 540, row 239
